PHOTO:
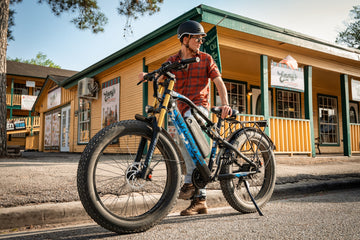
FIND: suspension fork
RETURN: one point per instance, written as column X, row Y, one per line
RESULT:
column 156, row 126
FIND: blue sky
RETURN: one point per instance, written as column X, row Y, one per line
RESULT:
column 38, row 30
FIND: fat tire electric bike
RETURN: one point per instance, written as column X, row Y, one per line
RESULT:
column 129, row 173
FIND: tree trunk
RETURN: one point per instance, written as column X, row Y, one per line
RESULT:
column 4, row 17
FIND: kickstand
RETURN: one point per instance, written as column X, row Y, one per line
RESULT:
column 252, row 198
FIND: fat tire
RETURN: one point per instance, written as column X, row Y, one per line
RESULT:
column 229, row 186
column 86, row 183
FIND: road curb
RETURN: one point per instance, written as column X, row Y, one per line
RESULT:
column 55, row 213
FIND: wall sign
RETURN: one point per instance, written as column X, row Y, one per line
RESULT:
column 54, row 98
column 30, row 83
column 284, row 77
column 110, row 102
column 355, row 90
column 211, row 46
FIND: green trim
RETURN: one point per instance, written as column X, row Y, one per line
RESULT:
column 297, row 119
column 309, row 105
column 203, row 13
column 247, row 25
column 15, row 107
column 345, row 113
column 264, row 86
column 337, row 114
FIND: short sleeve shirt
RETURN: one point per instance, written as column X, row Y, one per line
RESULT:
column 194, row 81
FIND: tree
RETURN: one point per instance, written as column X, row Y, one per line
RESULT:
column 87, row 16
column 40, row 60
column 351, row 35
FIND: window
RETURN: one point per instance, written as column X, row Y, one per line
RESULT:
column 20, row 89
column 36, row 91
column 236, row 95
column 288, row 104
column 84, row 121
column 328, row 119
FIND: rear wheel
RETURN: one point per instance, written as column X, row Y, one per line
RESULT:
column 109, row 184
column 254, row 145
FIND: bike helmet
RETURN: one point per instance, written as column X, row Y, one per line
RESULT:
column 190, row 27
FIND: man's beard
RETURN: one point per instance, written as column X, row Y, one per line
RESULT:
column 192, row 50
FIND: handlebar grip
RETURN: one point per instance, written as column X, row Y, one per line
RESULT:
column 190, row 60
column 140, row 82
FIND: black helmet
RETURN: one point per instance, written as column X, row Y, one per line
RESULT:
column 190, row 27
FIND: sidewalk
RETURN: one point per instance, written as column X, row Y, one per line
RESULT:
column 40, row 188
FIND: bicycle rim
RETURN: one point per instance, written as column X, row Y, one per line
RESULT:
column 115, row 196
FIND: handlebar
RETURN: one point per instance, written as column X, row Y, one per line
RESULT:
column 168, row 66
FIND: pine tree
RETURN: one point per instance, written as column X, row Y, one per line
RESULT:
column 87, row 16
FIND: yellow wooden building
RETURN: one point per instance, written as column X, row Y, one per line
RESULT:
column 23, row 84
column 318, row 111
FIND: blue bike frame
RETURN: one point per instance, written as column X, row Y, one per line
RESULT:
column 187, row 137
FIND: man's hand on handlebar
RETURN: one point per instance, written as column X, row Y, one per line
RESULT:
column 225, row 111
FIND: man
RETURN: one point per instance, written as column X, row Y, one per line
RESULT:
column 193, row 82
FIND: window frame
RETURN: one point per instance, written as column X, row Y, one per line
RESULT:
column 277, row 101
column 322, row 143
column 229, row 94
column 88, row 121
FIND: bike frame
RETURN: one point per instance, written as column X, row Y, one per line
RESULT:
column 168, row 98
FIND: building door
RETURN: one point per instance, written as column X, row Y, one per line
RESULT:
column 65, row 126
column 256, row 101
column 354, row 112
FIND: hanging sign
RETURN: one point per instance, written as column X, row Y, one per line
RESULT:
column 27, row 102
column 284, row 77
column 355, row 90
column 211, row 46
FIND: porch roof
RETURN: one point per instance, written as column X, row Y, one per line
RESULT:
column 36, row 71
column 207, row 14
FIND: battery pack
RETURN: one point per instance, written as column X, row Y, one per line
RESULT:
column 198, row 135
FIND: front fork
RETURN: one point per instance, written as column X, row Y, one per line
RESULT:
column 156, row 126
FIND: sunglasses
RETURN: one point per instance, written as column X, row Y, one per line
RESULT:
column 199, row 39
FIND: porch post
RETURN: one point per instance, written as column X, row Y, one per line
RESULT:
column 309, row 105
column 12, row 97
column 264, row 85
column 345, row 113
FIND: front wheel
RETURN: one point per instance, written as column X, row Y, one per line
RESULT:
column 109, row 183
column 257, row 148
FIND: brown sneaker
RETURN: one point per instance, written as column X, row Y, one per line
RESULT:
column 187, row 191
column 197, row 206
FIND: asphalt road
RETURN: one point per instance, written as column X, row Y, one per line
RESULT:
column 323, row 215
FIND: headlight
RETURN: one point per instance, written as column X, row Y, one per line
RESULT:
column 149, row 109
